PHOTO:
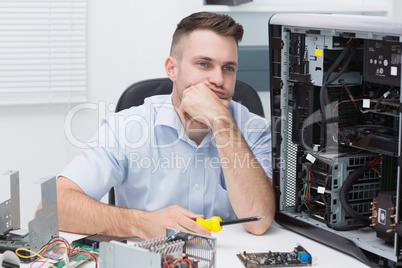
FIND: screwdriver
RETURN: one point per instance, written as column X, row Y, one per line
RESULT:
column 215, row 223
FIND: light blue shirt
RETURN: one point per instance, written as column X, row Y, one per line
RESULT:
column 145, row 154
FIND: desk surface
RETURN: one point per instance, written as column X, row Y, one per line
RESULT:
column 234, row 239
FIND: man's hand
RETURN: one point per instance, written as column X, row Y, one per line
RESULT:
column 204, row 103
column 175, row 217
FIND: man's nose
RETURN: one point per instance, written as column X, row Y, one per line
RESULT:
column 216, row 77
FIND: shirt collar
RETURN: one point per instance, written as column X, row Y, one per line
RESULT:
column 166, row 115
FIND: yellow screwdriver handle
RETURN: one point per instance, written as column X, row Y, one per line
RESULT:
column 213, row 224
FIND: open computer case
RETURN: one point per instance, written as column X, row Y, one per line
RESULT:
column 336, row 141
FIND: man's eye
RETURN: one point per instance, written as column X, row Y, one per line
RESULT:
column 229, row 69
column 203, row 64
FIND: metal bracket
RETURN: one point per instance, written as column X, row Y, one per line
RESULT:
column 46, row 224
column 10, row 209
column 114, row 254
column 150, row 253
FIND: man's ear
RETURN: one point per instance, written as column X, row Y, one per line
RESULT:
column 171, row 68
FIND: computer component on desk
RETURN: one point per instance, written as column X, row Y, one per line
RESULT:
column 42, row 229
column 176, row 249
column 336, row 140
column 298, row 257
column 92, row 242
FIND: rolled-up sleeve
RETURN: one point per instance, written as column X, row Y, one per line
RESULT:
column 100, row 166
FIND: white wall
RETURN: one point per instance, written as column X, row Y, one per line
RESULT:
column 396, row 10
column 128, row 40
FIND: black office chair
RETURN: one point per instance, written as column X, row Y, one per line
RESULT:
column 135, row 94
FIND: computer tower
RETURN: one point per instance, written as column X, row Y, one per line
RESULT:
column 336, row 143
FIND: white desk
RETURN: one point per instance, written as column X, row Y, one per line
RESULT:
column 234, row 239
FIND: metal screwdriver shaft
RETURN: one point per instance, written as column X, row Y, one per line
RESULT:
column 242, row 220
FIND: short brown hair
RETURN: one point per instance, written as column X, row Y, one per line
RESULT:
column 221, row 24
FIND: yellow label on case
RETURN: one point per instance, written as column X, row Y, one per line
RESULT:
column 318, row 52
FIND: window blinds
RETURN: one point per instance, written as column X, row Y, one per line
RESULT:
column 42, row 51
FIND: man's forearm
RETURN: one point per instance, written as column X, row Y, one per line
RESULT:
column 79, row 213
column 250, row 190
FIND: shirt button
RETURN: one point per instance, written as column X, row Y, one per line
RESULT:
column 196, row 186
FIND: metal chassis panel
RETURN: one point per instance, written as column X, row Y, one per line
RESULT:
column 10, row 209
column 46, row 224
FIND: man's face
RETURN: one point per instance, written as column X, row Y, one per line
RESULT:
column 208, row 58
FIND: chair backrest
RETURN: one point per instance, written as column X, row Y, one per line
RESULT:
column 135, row 94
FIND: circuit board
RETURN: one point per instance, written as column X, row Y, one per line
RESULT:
column 13, row 245
column 298, row 257
column 73, row 263
column 80, row 259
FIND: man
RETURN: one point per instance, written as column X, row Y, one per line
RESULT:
column 178, row 156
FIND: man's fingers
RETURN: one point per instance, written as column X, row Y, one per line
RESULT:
column 178, row 218
column 188, row 222
column 192, row 226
